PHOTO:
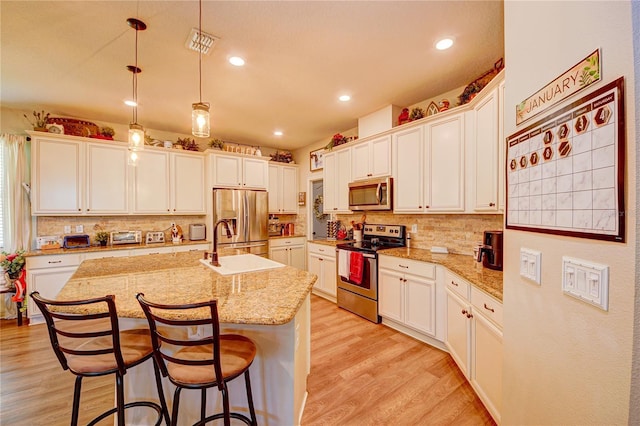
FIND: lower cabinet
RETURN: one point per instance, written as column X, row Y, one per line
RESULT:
column 290, row 251
column 474, row 339
column 321, row 261
column 407, row 293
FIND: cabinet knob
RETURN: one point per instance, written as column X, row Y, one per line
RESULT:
column 426, row 207
column 404, row 280
column 469, row 315
column 454, row 283
column 369, row 175
column 464, row 312
column 419, row 207
column 492, row 204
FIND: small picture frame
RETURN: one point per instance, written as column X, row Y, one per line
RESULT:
column 316, row 160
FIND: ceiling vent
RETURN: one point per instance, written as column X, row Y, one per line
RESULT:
column 204, row 42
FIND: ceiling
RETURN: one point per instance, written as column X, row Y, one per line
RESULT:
column 70, row 58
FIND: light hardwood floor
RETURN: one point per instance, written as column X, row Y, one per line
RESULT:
column 361, row 374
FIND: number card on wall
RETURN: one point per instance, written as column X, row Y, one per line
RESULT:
column 565, row 173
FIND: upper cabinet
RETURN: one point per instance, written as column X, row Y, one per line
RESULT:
column 336, row 178
column 151, row 183
column 187, row 183
column 107, row 179
column 371, row 159
column 234, row 171
column 485, row 153
column 283, row 187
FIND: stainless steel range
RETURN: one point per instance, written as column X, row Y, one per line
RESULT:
column 358, row 268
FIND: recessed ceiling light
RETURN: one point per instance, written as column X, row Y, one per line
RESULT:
column 278, row 133
column 236, row 60
column 444, row 44
column 130, row 103
column 344, row 98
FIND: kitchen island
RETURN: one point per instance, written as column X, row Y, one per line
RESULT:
column 272, row 307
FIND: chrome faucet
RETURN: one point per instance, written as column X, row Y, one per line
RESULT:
column 214, row 254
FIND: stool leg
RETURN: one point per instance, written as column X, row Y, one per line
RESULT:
column 176, row 403
column 120, row 398
column 163, row 403
column 19, row 309
column 252, row 411
column 203, row 403
column 225, row 405
column 76, row 401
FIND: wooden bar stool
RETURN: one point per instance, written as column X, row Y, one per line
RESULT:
column 93, row 345
column 199, row 363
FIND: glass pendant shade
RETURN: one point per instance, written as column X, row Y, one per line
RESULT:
column 136, row 137
column 200, row 121
column 132, row 160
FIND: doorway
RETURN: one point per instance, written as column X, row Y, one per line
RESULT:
column 316, row 205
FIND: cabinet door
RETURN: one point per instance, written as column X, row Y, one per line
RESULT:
column 420, row 304
column 279, row 254
column 151, row 183
column 360, row 161
column 187, row 183
column 57, row 177
column 408, row 171
column 107, row 179
column 380, row 157
column 297, row 256
column 486, row 371
column 289, row 190
column 486, row 154
column 274, row 189
column 329, row 183
column 444, row 165
column 458, row 332
column 343, row 178
column 226, row 171
column 391, row 297
column 48, row 282
column 315, row 266
column 329, row 285
column 255, row 173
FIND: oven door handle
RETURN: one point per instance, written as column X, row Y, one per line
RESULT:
column 379, row 193
column 367, row 255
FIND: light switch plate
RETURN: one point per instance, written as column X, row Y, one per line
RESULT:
column 530, row 264
column 79, row 228
column 586, row 281
column 67, row 229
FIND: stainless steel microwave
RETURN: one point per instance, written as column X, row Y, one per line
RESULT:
column 372, row 194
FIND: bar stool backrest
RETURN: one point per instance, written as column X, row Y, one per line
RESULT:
column 181, row 319
column 72, row 330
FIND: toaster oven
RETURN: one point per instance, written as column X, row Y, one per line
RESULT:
column 76, row 241
column 126, row 237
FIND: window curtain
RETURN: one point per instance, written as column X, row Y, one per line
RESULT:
column 16, row 214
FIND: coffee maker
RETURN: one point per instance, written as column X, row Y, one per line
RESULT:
column 490, row 253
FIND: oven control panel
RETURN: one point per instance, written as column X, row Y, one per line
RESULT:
column 396, row 231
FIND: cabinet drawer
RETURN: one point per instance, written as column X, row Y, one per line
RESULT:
column 321, row 249
column 414, row 267
column 458, row 285
column 53, row 261
column 192, row 247
column 487, row 305
column 286, row 242
column 104, row 254
column 151, row 250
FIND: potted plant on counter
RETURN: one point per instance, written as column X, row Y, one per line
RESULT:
column 102, row 237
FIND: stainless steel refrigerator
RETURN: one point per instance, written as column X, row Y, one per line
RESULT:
column 247, row 213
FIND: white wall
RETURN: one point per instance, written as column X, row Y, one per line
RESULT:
column 567, row 362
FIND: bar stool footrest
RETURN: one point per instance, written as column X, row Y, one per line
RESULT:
column 114, row 410
column 237, row 416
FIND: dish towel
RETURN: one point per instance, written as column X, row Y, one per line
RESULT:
column 344, row 263
column 356, row 267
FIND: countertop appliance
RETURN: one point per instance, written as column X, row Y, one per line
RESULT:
column 275, row 228
column 372, row 194
column 197, row 231
column 360, row 296
column 126, row 237
column 247, row 213
column 490, row 252
column 76, row 241
column 154, row 237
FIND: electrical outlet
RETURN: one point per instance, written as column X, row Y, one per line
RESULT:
column 67, row 229
column 79, row 228
column 414, row 228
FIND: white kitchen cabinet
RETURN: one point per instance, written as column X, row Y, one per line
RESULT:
column 371, row 159
column 187, row 184
column 336, row 179
column 428, row 167
column 47, row 275
column 283, row 189
column 407, row 293
column 474, row 339
column 321, row 260
column 235, row 171
column 289, row 251
column 107, row 179
column 151, row 183
column 484, row 150
column 57, row 175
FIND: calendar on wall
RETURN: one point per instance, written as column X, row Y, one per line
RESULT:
column 565, row 173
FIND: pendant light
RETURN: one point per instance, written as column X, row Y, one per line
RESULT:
column 200, row 120
column 136, row 131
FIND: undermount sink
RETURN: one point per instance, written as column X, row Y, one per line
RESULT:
column 241, row 263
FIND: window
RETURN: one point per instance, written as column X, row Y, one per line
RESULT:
column 2, row 192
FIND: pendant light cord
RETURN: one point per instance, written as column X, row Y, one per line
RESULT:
column 200, row 48
column 135, row 82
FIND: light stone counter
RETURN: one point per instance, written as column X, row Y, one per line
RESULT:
column 117, row 247
column 270, row 297
column 485, row 279
column 326, row 242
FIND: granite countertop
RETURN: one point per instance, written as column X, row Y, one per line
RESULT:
column 488, row 280
column 277, row 237
column 326, row 242
column 97, row 248
column 270, row 297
